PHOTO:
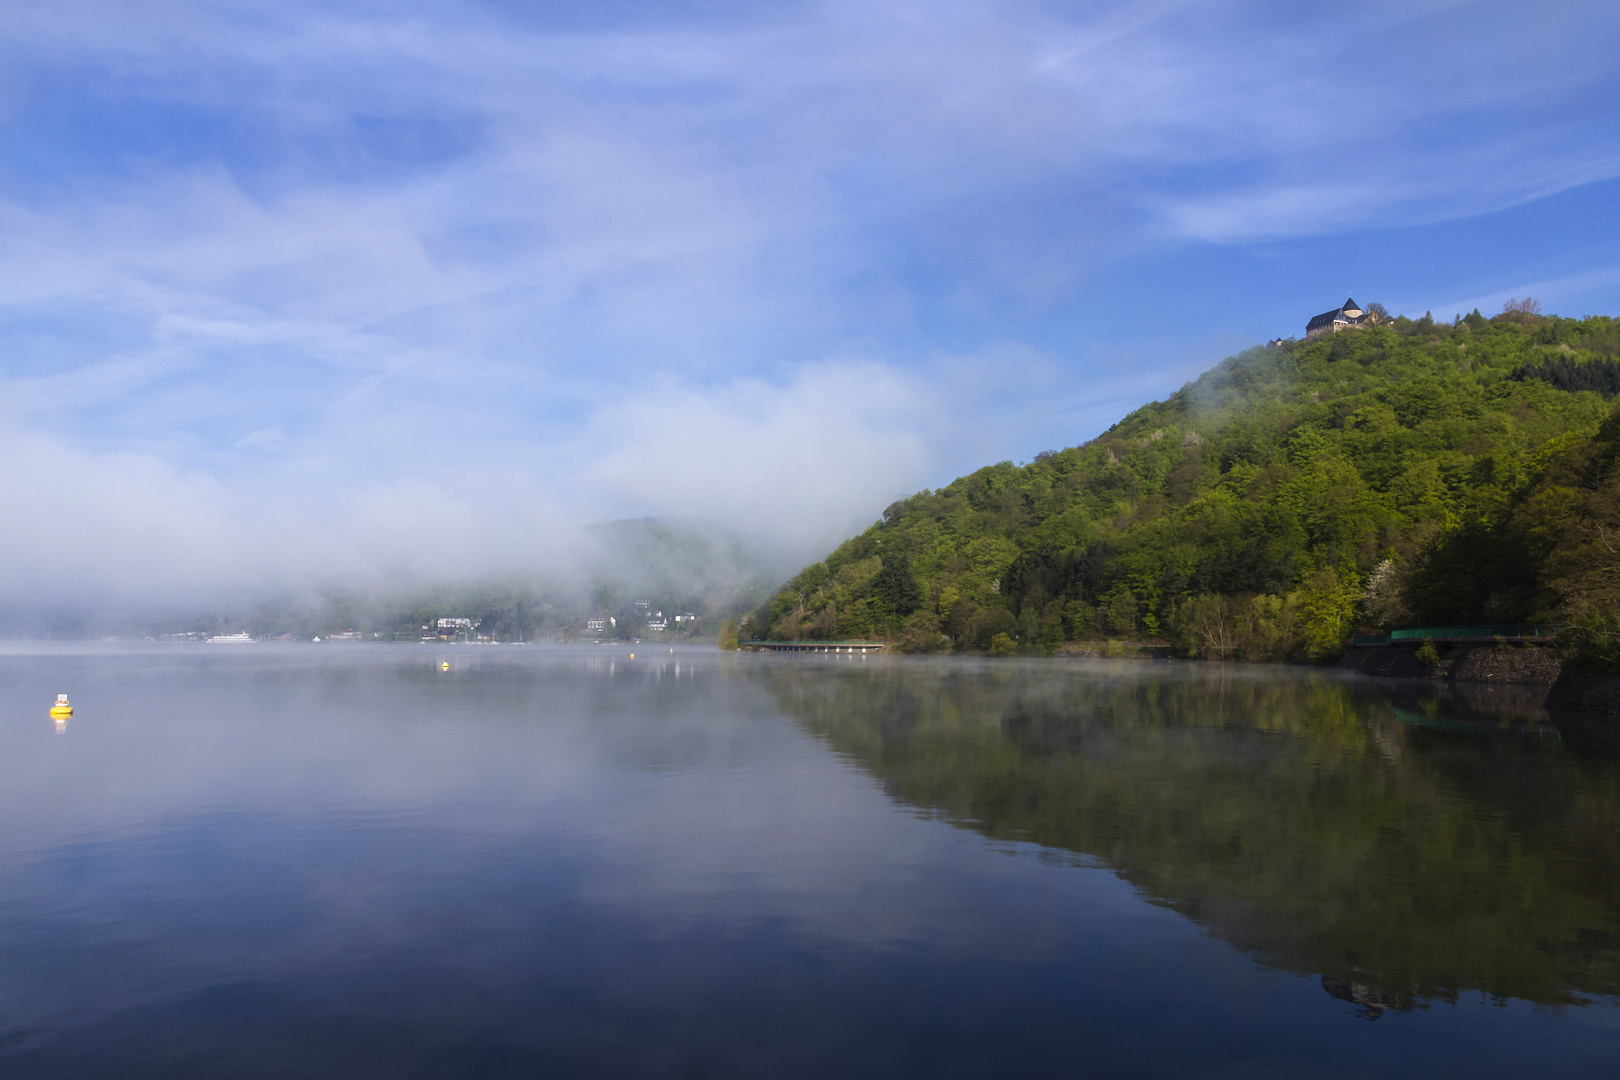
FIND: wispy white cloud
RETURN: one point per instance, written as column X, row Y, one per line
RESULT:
column 350, row 256
column 117, row 528
column 825, row 451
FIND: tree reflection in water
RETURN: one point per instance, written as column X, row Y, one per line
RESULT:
column 1292, row 815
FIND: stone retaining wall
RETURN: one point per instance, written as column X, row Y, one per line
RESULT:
column 1527, row 665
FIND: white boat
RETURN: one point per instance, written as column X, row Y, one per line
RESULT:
column 231, row 639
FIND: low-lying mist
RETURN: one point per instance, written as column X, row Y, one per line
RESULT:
column 390, row 501
column 143, row 537
column 628, row 572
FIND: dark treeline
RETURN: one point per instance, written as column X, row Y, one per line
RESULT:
column 1601, row 376
column 1411, row 472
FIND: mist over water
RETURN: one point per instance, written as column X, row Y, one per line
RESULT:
column 574, row 573
column 374, row 860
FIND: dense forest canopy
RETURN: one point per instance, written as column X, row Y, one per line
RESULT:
column 1410, row 472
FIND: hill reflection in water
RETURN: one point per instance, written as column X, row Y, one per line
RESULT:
column 1302, row 818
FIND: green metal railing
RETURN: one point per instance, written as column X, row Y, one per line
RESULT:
column 1492, row 632
column 1510, row 631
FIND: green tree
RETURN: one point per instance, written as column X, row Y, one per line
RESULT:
column 895, row 586
column 1327, row 606
column 1122, row 612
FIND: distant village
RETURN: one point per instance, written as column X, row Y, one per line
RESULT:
column 653, row 622
column 642, row 620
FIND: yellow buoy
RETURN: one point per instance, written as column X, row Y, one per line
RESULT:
column 61, row 708
column 445, row 666
column 632, row 656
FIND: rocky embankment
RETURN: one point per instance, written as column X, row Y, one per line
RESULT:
column 1524, row 665
column 1535, row 669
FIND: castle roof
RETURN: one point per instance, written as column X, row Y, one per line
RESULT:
column 1328, row 318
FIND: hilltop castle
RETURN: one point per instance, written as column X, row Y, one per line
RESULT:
column 1348, row 317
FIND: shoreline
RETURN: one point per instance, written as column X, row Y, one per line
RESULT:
column 1524, row 665
column 1534, row 671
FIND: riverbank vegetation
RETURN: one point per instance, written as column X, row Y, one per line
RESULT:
column 1412, row 472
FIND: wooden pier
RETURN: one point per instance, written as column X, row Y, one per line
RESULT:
column 862, row 647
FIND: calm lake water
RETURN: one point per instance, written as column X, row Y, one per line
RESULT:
column 261, row 861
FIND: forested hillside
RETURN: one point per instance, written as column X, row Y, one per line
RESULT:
column 1410, row 472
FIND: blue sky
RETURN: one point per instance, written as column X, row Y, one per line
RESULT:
column 293, row 291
